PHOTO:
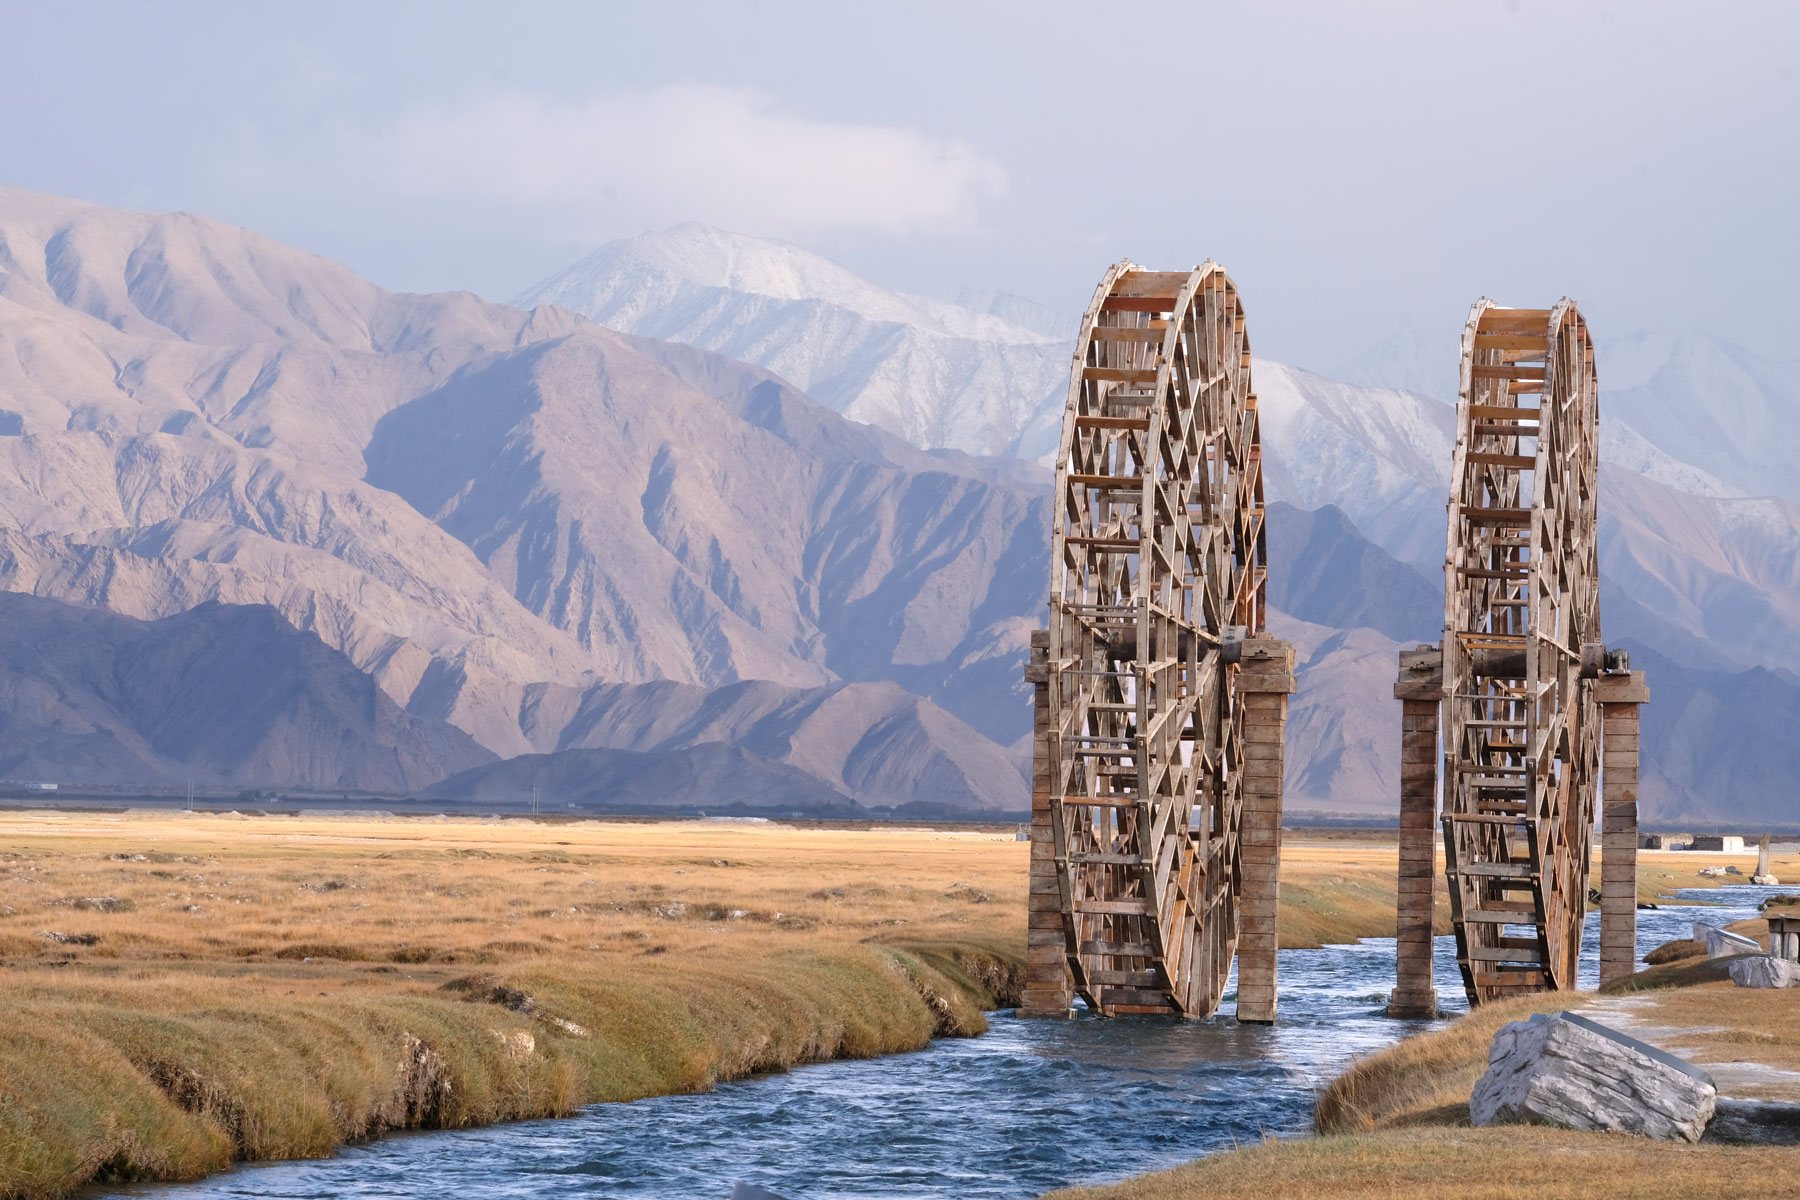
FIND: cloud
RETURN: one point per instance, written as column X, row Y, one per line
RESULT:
column 726, row 156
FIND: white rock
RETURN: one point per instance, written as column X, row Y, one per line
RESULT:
column 1723, row 944
column 518, row 1044
column 1765, row 880
column 1567, row 1070
column 1764, row 971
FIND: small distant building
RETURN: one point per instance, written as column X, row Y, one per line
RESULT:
column 1729, row 843
column 1665, row 841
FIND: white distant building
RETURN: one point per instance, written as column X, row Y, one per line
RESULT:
column 1730, row 843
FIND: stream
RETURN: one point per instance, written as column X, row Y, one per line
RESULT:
column 1030, row 1106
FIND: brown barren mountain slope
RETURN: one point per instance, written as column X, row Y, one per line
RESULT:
column 489, row 510
column 217, row 695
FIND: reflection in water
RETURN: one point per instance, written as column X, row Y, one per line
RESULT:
column 1030, row 1106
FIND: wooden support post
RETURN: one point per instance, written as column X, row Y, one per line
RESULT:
column 1265, row 680
column 1619, row 696
column 1420, row 690
column 1049, row 992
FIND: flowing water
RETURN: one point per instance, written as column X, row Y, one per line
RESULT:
column 1030, row 1106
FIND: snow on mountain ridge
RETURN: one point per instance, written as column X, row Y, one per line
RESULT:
column 1010, row 306
column 934, row 373
column 1709, row 404
column 718, row 259
column 1692, row 411
column 1626, row 447
column 1383, row 456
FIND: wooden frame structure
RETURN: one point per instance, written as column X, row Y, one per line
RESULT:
column 1160, row 703
column 1519, row 681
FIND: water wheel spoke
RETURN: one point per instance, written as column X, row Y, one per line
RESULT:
column 1520, row 776
column 1157, row 565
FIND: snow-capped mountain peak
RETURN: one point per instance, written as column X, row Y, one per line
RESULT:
column 935, row 373
column 705, row 257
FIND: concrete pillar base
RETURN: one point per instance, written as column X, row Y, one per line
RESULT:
column 1420, row 689
column 1412, row 1006
column 1619, row 696
column 1265, row 680
column 1049, row 990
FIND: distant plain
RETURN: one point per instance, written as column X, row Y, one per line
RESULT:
column 186, row 989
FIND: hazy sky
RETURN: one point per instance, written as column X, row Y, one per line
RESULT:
column 1361, row 168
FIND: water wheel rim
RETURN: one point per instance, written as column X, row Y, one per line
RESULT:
column 1521, row 602
column 1158, row 556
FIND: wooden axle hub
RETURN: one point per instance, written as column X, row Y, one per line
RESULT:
column 1595, row 661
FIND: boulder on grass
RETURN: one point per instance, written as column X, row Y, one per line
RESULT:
column 1721, row 943
column 1765, row 881
column 1566, row 1070
column 1764, row 971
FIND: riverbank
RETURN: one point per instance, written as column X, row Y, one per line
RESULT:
column 185, row 992
column 1395, row 1124
column 188, row 990
column 1468, row 1164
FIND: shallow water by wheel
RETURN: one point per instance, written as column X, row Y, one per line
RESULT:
column 1031, row 1106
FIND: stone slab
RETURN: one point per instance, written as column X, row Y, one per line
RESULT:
column 1568, row 1071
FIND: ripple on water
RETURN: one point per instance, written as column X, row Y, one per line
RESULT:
column 1030, row 1106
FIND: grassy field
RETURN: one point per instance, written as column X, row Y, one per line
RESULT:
column 1446, row 1163
column 183, row 990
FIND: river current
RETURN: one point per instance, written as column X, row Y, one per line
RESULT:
column 1029, row 1106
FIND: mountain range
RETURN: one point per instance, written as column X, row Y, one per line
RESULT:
column 704, row 515
column 500, row 516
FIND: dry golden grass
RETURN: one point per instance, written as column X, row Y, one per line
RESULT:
column 1689, row 1004
column 183, row 990
column 1683, row 963
column 433, row 893
column 1662, row 871
column 1511, row 1163
column 268, row 987
column 1719, row 1022
column 1423, row 1080
column 1337, row 890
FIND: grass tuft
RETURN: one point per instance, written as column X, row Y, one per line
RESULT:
column 1424, row 1079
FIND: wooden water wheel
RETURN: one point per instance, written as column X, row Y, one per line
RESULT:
column 1521, row 649
column 1157, row 577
